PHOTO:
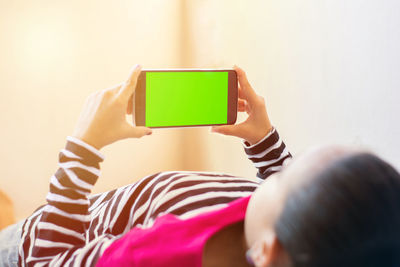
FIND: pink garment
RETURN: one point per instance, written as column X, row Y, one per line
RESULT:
column 172, row 241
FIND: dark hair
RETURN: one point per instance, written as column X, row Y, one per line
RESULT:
column 347, row 215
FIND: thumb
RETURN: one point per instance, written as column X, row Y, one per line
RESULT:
column 136, row 132
column 239, row 130
column 225, row 129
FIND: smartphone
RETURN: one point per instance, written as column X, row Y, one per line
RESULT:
column 185, row 97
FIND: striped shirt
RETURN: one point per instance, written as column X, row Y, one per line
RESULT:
column 74, row 228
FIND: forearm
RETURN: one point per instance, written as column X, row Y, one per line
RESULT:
column 61, row 230
column 268, row 155
column 59, row 237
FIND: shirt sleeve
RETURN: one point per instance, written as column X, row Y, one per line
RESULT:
column 269, row 155
column 60, row 234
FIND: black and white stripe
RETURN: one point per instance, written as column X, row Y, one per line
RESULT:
column 269, row 155
column 74, row 228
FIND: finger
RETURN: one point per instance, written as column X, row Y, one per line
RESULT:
column 241, row 96
column 241, row 105
column 129, row 109
column 241, row 93
column 115, row 89
column 248, row 92
column 234, row 130
column 130, row 85
column 137, row 131
column 225, row 129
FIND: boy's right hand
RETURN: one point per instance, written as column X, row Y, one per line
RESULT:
column 257, row 125
column 103, row 119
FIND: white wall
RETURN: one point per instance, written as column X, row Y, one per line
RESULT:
column 53, row 54
column 329, row 70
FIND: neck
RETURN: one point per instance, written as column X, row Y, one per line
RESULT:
column 226, row 248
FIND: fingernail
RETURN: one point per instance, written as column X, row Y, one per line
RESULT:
column 137, row 66
column 149, row 133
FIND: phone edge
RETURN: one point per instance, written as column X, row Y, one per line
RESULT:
column 233, row 120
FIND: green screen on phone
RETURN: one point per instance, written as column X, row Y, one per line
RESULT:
column 186, row 98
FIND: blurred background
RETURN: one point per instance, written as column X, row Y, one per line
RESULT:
column 329, row 71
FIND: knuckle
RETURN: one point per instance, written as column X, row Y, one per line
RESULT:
column 261, row 100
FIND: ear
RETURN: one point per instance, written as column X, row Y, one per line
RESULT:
column 278, row 255
column 270, row 253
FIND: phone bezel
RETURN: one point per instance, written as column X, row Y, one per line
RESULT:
column 139, row 99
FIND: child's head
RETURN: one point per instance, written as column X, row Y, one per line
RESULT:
column 333, row 206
